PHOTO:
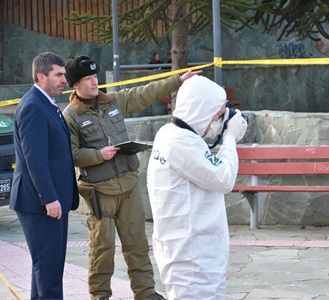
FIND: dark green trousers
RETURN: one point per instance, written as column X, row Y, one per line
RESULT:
column 124, row 213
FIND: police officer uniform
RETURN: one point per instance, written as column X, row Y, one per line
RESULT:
column 110, row 187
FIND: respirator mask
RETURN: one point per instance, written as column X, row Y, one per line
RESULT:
column 217, row 128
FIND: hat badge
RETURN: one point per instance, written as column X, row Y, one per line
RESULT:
column 93, row 66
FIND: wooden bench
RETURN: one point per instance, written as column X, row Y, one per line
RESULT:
column 258, row 161
column 230, row 96
column 167, row 102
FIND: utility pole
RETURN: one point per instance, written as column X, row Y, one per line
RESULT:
column 2, row 42
column 116, row 54
column 217, row 40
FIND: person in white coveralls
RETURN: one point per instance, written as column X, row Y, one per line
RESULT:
column 186, row 185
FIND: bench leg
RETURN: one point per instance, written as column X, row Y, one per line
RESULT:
column 253, row 202
column 253, row 199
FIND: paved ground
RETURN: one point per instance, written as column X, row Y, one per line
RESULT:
column 269, row 263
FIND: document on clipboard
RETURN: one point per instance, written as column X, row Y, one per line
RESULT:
column 130, row 147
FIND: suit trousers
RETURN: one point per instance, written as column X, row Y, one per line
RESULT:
column 124, row 213
column 46, row 238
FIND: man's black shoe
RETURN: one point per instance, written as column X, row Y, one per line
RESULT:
column 154, row 296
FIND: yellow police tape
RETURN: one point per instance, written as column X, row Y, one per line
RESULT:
column 149, row 77
column 218, row 62
column 284, row 61
column 9, row 287
column 9, row 102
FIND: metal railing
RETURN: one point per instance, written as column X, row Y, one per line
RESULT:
column 161, row 66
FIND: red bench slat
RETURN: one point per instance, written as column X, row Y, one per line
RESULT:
column 230, row 96
column 301, row 152
column 259, row 161
column 266, row 188
column 283, row 168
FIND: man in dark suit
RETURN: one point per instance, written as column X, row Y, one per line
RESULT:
column 44, row 186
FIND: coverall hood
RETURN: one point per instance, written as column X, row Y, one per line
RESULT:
column 198, row 100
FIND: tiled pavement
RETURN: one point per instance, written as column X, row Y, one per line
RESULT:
column 269, row 263
column 15, row 266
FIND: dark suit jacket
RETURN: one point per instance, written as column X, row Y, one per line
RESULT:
column 44, row 167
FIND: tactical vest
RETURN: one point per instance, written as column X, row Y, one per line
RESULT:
column 95, row 131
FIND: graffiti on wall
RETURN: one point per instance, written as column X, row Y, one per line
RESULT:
column 293, row 50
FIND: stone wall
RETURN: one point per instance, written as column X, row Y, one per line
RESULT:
column 265, row 128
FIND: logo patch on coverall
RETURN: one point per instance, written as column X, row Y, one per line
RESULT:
column 212, row 158
column 156, row 156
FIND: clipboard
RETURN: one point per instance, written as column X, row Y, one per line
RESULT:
column 130, row 147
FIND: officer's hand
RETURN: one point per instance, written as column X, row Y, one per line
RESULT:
column 108, row 152
column 189, row 74
column 236, row 127
column 54, row 209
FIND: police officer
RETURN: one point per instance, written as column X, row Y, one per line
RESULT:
column 109, row 180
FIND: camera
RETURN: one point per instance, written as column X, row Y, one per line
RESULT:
column 231, row 114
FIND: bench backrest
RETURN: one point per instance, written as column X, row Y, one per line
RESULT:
column 283, row 160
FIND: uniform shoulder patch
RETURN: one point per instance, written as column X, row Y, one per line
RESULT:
column 86, row 123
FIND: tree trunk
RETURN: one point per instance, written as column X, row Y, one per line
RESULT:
column 179, row 41
column 1, row 41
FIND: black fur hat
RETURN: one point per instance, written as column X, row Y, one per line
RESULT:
column 79, row 67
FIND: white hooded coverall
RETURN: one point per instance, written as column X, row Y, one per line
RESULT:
column 186, row 185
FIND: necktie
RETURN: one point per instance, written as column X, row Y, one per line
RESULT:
column 58, row 110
